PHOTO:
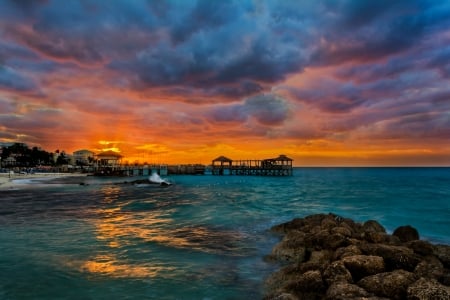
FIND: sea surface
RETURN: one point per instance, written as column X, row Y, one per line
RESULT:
column 203, row 237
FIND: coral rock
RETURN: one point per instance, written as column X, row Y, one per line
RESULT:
column 363, row 265
column 406, row 233
column 391, row 284
column 424, row 289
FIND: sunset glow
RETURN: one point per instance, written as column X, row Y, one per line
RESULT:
column 348, row 83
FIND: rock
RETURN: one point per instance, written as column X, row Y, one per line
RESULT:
column 421, row 247
column 363, row 265
column 328, row 223
column 343, row 230
column 346, row 251
column 291, row 248
column 445, row 278
column 430, row 267
column 308, row 286
column 320, row 257
column 284, row 252
column 317, row 239
column 326, row 254
column 295, row 224
column 395, row 257
column 288, row 274
column 391, row 284
column 281, row 296
column 406, row 233
column 373, row 226
column 345, row 291
column 337, row 272
column 424, row 289
column 375, row 237
column 443, row 253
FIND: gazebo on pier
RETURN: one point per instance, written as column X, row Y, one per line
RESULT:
column 279, row 166
column 108, row 159
column 108, row 164
column 220, row 164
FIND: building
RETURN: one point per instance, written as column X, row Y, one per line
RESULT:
column 83, row 157
column 108, row 158
column 9, row 162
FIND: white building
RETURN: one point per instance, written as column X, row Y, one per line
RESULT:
column 84, row 157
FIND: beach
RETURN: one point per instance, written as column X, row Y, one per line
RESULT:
column 12, row 180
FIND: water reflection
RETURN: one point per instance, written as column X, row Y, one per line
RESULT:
column 110, row 193
column 109, row 265
column 130, row 241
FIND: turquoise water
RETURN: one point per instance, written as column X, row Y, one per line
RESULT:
column 204, row 237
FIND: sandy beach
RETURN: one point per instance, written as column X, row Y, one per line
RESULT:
column 7, row 181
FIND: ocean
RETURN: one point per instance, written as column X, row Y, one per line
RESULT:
column 203, row 237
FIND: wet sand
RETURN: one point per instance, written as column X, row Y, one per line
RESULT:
column 7, row 180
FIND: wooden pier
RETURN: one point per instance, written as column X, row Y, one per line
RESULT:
column 109, row 164
column 280, row 166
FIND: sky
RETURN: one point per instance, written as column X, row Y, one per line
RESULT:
column 327, row 83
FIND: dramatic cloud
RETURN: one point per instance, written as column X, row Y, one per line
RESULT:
column 11, row 79
column 316, row 76
column 266, row 109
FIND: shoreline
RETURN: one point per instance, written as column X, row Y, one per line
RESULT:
column 7, row 180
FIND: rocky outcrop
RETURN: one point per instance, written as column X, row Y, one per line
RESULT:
column 325, row 256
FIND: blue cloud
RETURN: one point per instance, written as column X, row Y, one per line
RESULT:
column 13, row 80
column 267, row 109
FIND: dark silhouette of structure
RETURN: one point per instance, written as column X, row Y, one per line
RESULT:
column 279, row 166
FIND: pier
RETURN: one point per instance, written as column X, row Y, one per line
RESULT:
column 147, row 170
column 109, row 164
column 280, row 166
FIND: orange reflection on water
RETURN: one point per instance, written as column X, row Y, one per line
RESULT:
column 108, row 265
column 116, row 228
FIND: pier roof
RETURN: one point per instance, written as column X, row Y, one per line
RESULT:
column 283, row 158
column 223, row 159
column 109, row 153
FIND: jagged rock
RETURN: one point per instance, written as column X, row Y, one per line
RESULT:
column 289, row 226
column 328, row 223
column 346, row 251
column 375, row 237
column 336, row 272
column 291, row 248
column 391, row 284
column 308, row 282
column 424, row 289
column 363, row 265
column 290, row 273
column 406, row 233
column 284, row 252
column 443, row 253
column 281, row 296
column 327, row 254
column 430, row 267
column 320, row 257
column 316, row 239
column 343, row 230
column 345, row 291
column 395, row 257
column 421, row 247
column 373, row 226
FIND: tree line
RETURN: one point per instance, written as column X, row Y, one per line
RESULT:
column 31, row 157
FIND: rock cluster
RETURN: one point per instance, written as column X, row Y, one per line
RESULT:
column 329, row 257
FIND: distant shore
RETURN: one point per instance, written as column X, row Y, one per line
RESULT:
column 7, row 180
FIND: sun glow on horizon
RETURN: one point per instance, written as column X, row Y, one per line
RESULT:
column 171, row 92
